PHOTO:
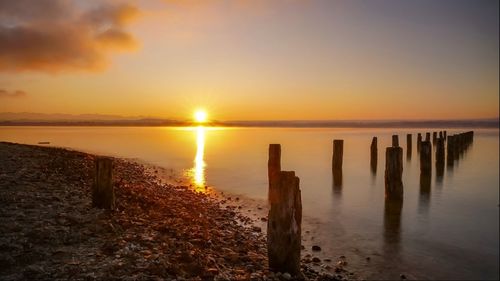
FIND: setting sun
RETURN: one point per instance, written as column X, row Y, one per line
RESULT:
column 200, row 116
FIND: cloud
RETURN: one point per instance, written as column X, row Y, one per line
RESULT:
column 13, row 94
column 57, row 35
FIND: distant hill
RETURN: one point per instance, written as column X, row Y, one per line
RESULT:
column 40, row 119
column 19, row 116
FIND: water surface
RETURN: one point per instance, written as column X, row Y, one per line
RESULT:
column 448, row 230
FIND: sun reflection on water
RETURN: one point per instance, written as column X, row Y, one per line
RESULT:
column 199, row 162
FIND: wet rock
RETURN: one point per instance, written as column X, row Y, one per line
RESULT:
column 316, row 248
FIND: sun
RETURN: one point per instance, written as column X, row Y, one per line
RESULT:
column 200, row 116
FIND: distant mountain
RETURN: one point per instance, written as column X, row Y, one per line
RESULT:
column 40, row 119
column 18, row 116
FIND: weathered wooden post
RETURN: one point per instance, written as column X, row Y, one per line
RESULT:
column 103, row 193
column 434, row 137
column 425, row 158
column 373, row 155
column 427, row 136
column 394, row 173
column 408, row 146
column 440, row 157
column 273, row 167
column 444, row 135
column 419, row 141
column 456, row 146
column 284, row 225
column 450, row 150
column 338, row 153
column 395, row 140
column 440, row 134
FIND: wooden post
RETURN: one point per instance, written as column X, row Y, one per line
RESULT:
column 427, row 136
column 450, row 150
column 456, row 146
column 394, row 173
column 338, row 152
column 284, row 225
column 408, row 146
column 103, row 193
column 440, row 157
column 273, row 167
column 425, row 158
column 373, row 155
column 444, row 135
column 419, row 141
column 395, row 140
column 440, row 134
column 434, row 137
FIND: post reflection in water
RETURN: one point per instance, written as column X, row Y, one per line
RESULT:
column 392, row 225
column 198, row 171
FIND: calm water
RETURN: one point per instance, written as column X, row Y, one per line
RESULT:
column 449, row 231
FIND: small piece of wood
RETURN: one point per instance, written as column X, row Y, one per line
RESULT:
column 284, row 225
column 103, row 194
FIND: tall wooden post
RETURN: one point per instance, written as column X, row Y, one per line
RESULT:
column 273, row 167
column 427, row 136
column 425, row 158
column 408, row 146
column 394, row 173
column 103, row 193
column 338, row 154
column 284, row 225
column 440, row 157
column 373, row 155
column 450, row 151
column 419, row 141
column 444, row 135
column 395, row 140
column 434, row 137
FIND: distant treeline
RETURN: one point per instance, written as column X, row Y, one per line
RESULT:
column 477, row 123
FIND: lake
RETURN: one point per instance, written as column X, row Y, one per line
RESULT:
column 449, row 231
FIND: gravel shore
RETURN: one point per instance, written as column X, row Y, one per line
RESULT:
column 49, row 230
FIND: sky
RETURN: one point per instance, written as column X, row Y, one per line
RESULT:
column 252, row 59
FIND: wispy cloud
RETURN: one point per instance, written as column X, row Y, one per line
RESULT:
column 12, row 94
column 57, row 35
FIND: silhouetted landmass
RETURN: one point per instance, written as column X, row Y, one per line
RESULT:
column 474, row 123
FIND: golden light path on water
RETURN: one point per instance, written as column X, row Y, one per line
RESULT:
column 199, row 162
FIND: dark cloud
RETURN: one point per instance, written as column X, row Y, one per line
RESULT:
column 13, row 94
column 55, row 36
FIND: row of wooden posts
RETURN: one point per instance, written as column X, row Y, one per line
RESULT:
column 285, row 212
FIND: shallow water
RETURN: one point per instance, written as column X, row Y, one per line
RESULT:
column 449, row 231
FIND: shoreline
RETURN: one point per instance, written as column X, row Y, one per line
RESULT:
column 158, row 230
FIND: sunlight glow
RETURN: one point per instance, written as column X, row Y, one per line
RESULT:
column 199, row 163
column 200, row 116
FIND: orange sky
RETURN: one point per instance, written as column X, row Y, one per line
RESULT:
column 251, row 60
